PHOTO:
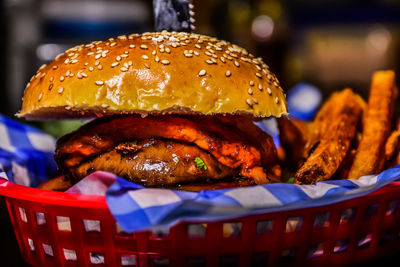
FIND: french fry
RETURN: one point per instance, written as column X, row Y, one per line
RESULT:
column 370, row 155
column 337, row 123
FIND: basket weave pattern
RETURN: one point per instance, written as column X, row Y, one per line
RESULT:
column 60, row 229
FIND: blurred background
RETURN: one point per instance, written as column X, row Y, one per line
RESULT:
column 330, row 44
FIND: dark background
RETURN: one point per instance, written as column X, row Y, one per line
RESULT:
column 331, row 44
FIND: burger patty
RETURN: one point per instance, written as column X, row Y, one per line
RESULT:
column 233, row 141
column 156, row 163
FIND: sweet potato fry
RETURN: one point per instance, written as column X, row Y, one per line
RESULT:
column 392, row 144
column 293, row 135
column 370, row 155
column 338, row 121
column 56, row 184
column 392, row 147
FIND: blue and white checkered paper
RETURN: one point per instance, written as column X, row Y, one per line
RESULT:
column 26, row 157
column 137, row 208
column 26, row 153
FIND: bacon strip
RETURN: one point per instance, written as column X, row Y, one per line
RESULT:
column 227, row 144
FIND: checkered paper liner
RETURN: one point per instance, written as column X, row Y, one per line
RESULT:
column 26, row 158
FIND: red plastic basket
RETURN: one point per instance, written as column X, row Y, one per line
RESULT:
column 61, row 229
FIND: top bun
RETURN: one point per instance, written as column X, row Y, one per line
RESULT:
column 154, row 73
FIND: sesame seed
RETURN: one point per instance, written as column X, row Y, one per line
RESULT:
column 255, row 100
column 97, row 63
column 157, row 59
column 118, row 58
column 97, row 56
column 86, row 63
column 197, row 46
column 143, row 47
column 222, row 59
column 248, row 101
column 208, row 53
column 250, row 91
column 74, row 61
column 202, row 73
column 196, row 53
column 40, row 96
column 79, row 75
column 145, row 57
column 132, row 46
column 50, row 86
column 60, row 90
column 188, row 55
column 112, row 44
column 213, row 60
column 208, row 61
column 41, row 67
column 103, row 55
column 100, row 67
column 90, row 53
column 228, row 73
column 154, row 52
column 276, row 100
column 62, row 78
column 130, row 63
column 51, row 78
column 147, row 65
column 236, row 64
column 99, row 82
column 84, row 75
column 124, row 55
column 168, row 50
column 269, row 91
column 90, row 68
column 66, row 61
column 258, row 75
column 260, row 87
column 55, row 67
column 104, row 105
column 174, row 45
column 58, row 56
column 71, row 75
column 124, row 69
column 164, row 62
column 67, row 73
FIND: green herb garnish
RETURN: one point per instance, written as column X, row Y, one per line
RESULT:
column 290, row 180
column 200, row 163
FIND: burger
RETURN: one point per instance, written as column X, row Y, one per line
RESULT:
column 166, row 109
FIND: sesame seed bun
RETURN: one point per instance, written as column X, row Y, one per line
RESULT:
column 153, row 73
